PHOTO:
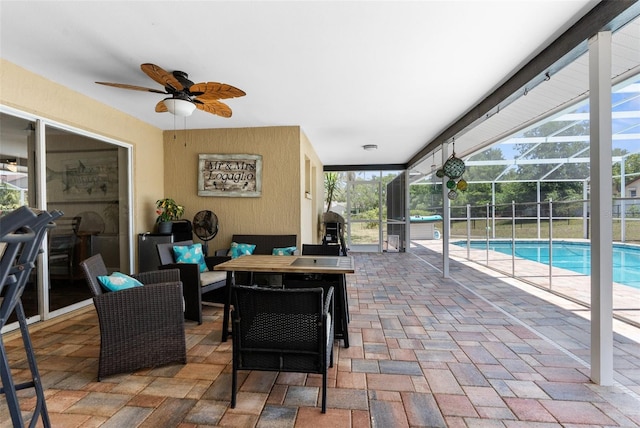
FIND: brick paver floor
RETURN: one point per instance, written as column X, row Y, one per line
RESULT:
column 472, row 350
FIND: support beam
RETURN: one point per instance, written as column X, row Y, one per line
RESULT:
column 493, row 210
column 446, row 216
column 585, row 210
column 538, row 207
column 623, row 194
column 407, row 213
column 601, row 209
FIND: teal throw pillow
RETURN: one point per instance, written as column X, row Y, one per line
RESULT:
column 190, row 254
column 118, row 281
column 286, row 251
column 238, row 250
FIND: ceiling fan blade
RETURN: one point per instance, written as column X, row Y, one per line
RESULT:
column 161, row 107
column 162, row 76
column 215, row 91
column 213, row 107
column 135, row 88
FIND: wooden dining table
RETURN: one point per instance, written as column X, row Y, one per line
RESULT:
column 333, row 268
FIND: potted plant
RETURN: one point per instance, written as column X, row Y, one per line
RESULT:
column 168, row 211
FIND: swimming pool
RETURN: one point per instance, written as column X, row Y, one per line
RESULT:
column 574, row 256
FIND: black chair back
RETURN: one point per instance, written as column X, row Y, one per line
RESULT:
column 282, row 330
column 278, row 320
column 266, row 243
column 165, row 251
column 320, row 250
column 93, row 267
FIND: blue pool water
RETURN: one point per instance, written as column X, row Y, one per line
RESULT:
column 574, row 256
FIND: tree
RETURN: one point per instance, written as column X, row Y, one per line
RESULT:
column 424, row 198
column 9, row 198
column 333, row 188
column 485, row 172
column 631, row 168
column 480, row 193
column 539, row 148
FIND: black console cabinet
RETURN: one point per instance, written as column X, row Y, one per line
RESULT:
column 147, row 253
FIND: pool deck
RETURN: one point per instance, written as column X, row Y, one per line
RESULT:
column 626, row 300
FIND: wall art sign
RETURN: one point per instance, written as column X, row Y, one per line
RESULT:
column 82, row 176
column 236, row 175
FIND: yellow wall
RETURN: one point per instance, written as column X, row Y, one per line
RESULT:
column 164, row 167
column 281, row 209
column 312, row 191
column 31, row 93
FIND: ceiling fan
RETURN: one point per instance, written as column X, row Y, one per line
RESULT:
column 186, row 96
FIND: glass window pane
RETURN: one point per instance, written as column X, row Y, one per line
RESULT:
column 84, row 177
column 17, row 138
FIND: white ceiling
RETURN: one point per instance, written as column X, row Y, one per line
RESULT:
column 349, row 73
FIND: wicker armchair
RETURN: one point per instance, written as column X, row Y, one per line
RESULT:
column 197, row 287
column 282, row 330
column 139, row 327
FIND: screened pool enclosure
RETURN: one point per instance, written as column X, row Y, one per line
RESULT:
column 535, row 185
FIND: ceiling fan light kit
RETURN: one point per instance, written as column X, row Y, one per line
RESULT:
column 185, row 96
column 179, row 107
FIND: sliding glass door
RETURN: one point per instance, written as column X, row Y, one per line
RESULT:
column 17, row 183
column 83, row 181
column 51, row 167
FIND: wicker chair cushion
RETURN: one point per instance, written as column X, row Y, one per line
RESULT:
column 190, row 254
column 118, row 281
column 285, row 251
column 212, row 276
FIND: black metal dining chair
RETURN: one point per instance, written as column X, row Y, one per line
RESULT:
column 282, row 330
column 320, row 250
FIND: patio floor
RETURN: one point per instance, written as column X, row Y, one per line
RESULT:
column 475, row 350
